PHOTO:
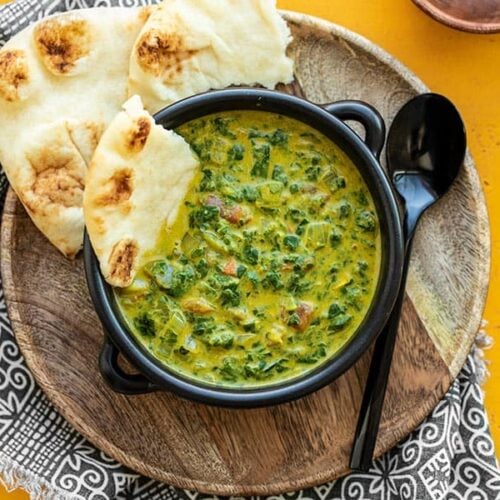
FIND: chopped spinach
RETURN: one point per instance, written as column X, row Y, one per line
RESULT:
column 344, row 209
column 236, row 153
column 221, row 338
column 203, row 325
column 201, row 217
column 230, row 295
column 314, row 356
column 145, row 324
column 291, row 241
column 366, row 221
column 261, row 154
column 229, row 369
column 250, row 254
column 250, row 193
column 221, row 126
column 312, row 173
column 174, row 279
column 273, row 280
column 335, row 237
column 276, row 138
column 207, row 182
column 279, row 174
column 335, row 310
column 253, row 278
column 339, row 322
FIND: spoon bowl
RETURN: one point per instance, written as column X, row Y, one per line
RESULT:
column 425, row 149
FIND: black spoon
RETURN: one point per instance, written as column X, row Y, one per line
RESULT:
column 425, row 149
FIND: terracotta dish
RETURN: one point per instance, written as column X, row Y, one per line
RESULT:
column 475, row 16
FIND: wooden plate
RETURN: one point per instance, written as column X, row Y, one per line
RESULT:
column 295, row 445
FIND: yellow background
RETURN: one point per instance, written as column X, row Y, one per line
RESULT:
column 462, row 66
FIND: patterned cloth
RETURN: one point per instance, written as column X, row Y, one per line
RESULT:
column 450, row 455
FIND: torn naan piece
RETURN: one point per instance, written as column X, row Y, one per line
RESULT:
column 138, row 178
column 191, row 46
column 62, row 80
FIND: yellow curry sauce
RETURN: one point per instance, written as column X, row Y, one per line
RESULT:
column 272, row 262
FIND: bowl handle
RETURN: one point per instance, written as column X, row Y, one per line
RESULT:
column 365, row 114
column 116, row 378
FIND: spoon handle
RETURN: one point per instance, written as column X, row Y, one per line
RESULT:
column 376, row 383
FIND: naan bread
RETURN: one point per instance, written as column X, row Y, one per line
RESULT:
column 139, row 175
column 191, row 46
column 62, row 80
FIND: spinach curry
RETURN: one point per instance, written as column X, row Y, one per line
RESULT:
column 272, row 262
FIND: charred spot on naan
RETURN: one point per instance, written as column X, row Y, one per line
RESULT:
column 136, row 138
column 122, row 261
column 14, row 74
column 57, row 178
column 61, row 43
column 118, row 188
column 162, row 53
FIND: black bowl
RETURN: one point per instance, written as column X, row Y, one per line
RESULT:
column 328, row 120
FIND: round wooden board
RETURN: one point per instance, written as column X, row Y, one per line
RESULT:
column 292, row 446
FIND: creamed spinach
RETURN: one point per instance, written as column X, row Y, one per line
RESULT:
column 272, row 262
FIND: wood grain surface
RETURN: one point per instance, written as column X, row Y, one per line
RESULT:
column 291, row 446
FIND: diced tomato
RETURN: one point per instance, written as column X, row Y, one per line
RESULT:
column 233, row 214
column 230, row 267
column 305, row 312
